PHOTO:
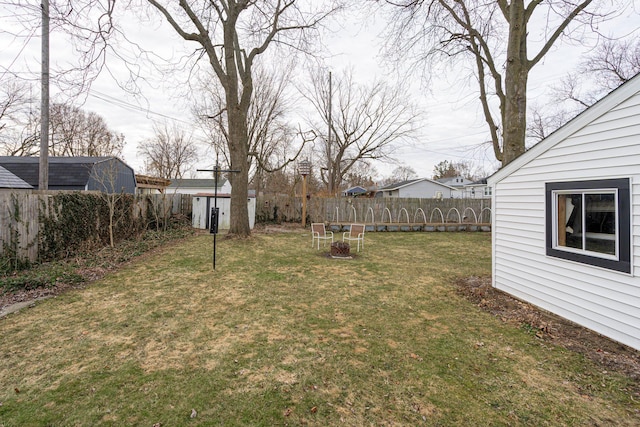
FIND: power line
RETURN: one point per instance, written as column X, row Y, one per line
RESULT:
column 131, row 107
column 24, row 45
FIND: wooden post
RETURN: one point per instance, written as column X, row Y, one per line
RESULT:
column 562, row 220
column 305, row 169
column 304, row 200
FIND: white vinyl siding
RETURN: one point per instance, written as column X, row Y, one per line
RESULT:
column 426, row 189
column 608, row 147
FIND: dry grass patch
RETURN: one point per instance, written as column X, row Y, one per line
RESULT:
column 281, row 335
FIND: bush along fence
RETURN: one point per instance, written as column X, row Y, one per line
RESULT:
column 43, row 226
column 380, row 214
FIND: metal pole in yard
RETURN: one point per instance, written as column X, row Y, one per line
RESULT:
column 216, row 168
column 214, row 218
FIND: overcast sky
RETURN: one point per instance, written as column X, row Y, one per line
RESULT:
column 453, row 128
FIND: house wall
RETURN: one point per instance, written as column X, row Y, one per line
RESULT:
column 424, row 189
column 476, row 192
column 605, row 301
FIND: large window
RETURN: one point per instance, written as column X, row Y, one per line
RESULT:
column 589, row 222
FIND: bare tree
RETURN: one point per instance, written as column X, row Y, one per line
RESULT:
column 22, row 139
column 496, row 36
column 107, row 174
column 169, row 153
column 613, row 63
column 400, row 174
column 278, row 182
column 362, row 174
column 368, row 121
column 74, row 132
column 231, row 35
column 463, row 168
column 19, row 126
column 14, row 95
column 543, row 120
column 273, row 142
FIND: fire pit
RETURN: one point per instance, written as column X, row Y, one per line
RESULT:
column 340, row 250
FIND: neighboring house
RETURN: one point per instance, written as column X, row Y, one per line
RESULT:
column 466, row 188
column 203, row 192
column 455, row 182
column 354, row 191
column 11, row 181
column 477, row 190
column 566, row 219
column 420, row 188
column 108, row 174
column 151, row 185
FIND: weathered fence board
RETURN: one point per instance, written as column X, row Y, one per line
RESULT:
column 20, row 217
column 374, row 210
column 20, row 213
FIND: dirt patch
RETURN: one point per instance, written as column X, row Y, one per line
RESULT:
column 111, row 259
column 287, row 227
column 14, row 301
column 609, row 354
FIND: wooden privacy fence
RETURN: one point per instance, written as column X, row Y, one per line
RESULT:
column 25, row 216
column 376, row 210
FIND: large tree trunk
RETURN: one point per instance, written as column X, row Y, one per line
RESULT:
column 237, row 98
column 238, row 150
column 516, row 74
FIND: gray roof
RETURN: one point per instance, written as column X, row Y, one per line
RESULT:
column 64, row 172
column 482, row 181
column 355, row 190
column 9, row 180
column 396, row 185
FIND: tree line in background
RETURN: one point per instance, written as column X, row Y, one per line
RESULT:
column 72, row 131
column 241, row 78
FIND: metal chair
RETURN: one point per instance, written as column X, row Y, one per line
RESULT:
column 319, row 232
column 356, row 232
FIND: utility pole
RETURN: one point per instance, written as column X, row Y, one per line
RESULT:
column 43, row 178
column 330, row 170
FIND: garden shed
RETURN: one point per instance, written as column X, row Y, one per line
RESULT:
column 566, row 219
column 203, row 204
column 199, row 186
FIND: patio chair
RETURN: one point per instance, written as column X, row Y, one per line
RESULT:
column 319, row 232
column 356, row 232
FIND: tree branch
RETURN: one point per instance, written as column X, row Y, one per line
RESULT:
column 556, row 34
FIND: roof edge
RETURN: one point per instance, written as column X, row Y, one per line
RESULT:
column 605, row 104
column 415, row 181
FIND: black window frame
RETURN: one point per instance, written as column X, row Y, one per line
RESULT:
column 623, row 211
